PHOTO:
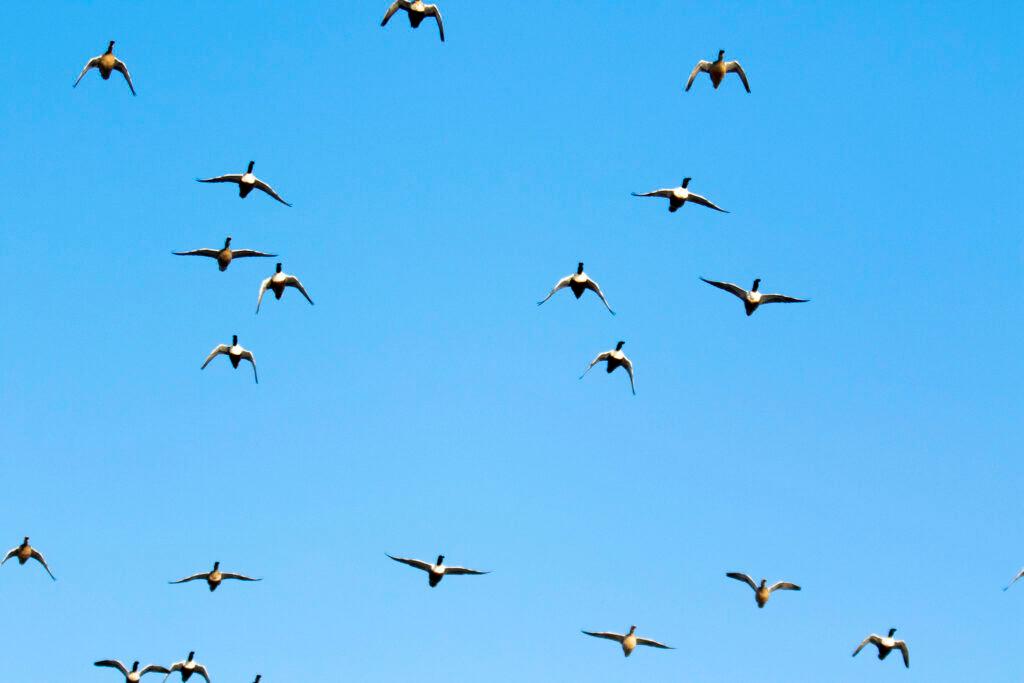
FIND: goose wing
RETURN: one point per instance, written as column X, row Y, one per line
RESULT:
column 902, row 647
column 735, row 66
column 600, row 357
column 154, row 667
column 212, row 253
column 628, row 364
column 222, row 348
column 561, row 284
column 781, row 299
column 247, row 355
column 596, row 289
column 229, row 178
column 784, row 586
column 395, row 6
column 742, row 577
column 11, row 553
column 201, row 670
column 419, row 564
column 463, row 570
column 605, row 634
column 653, row 643
column 702, row 65
column 119, row 66
column 704, row 201
column 292, row 281
column 201, row 575
column 269, row 190
column 664, row 192
column 432, row 10
column 1015, row 579
column 245, row 253
column 263, row 290
column 38, row 557
column 735, row 290
column 239, row 577
column 92, row 63
column 873, row 639
column 113, row 664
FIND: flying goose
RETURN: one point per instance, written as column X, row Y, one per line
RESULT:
column 107, row 63
column 135, row 674
column 754, row 298
column 764, row 591
column 225, row 255
column 417, row 11
column 235, row 354
column 578, row 283
column 277, row 283
column 677, row 196
column 717, row 70
column 437, row 571
column 615, row 359
column 189, row 667
column 1015, row 578
column 213, row 578
column 628, row 641
column 24, row 553
column 246, row 182
column 885, row 645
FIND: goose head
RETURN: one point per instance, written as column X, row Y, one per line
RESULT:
column 278, row 268
column 764, row 582
column 440, row 560
column 632, row 629
column 721, row 55
column 25, row 542
column 135, row 666
column 579, row 268
column 110, row 47
column 216, row 565
column 234, row 342
column 757, row 283
column 227, row 241
column 891, row 632
column 686, row 181
column 191, row 655
column 618, row 347
column 258, row 677
column 251, row 164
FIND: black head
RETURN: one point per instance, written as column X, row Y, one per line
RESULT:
column 686, row 181
column 632, row 628
column 110, row 47
column 278, row 267
column 721, row 54
column 251, row 164
column 757, row 283
column 618, row 347
column 25, row 542
column 764, row 582
column 234, row 342
column 135, row 665
column 891, row 632
column 440, row 559
column 258, row 677
column 579, row 268
column 216, row 565
column 227, row 241
column 191, row 655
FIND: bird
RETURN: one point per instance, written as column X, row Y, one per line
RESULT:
column 579, row 283
column 614, row 358
column 628, row 641
column 677, row 196
column 277, row 283
column 764, row 591
column 213, row 578
column 246, row 182
column 135, row 674
column 24, row 553
column 1015, row 578
column 754, row 298
column 438, row 570
column 235, row 354
column 189, row 667
column 257, row 679
column 717, row 71
column 224, row 256
column 107, row 63
column 885, row 645
column 417, row 11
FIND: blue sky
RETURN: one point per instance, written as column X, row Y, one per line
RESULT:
column 861, row 445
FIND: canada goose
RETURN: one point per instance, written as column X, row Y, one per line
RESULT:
column 764, row 591
column 246, row 182
column 135, row 674
column 677, row 196
column 213, row 578
column 24, row 553
column 1015, row 578
column 107, row 63
column 628, row 641
column 885, row 645
column 754, row 298
column 615, row 358
column 189, row 667
column 277, row 283
column 578, row 283
column 717, row 70
column 437, row 571
column 224, row 256
column 417, row 11
column 235, row 354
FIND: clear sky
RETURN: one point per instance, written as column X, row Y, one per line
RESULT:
column 865, row 445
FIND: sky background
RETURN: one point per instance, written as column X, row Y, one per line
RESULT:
column 864, row 445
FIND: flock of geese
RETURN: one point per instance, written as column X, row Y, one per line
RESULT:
column 579, row 283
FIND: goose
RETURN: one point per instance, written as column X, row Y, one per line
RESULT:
column 677, row 196
column 754, row 298
column 214, row 578
column 628, row 641
column 438, row 570
column 277, row 283
column 717, row 71
column 764, row 591
column 246, row 182
column 107, row 63
column 885, row 645
column 224, row 256
column 1015, row 578
column 189, row 667
column 578, row 283
column 24, row 553
column 615, row 359
column 235, row 354
column 417, row 11
column 135, row 674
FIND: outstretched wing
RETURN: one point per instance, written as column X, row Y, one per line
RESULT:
column 239, row 577
column 600, row 357
column 10, row 553
column 666, row 193
column 561, row 284
column 702, row 65
column 245, row 253
column 212, row 253
column 222, row 348
column 870, row 639
column 596, row 289
column 735, row 66
column 395, row 6
column 202, row 575
column 628, row 364
column 606, row 635
column 704, row 201
column 742, row 577
column 38, row 557
column 462, row 570
column 247, row 355
column 113, row 664
column 653, row 643
column 432, row 10
column 269, row 190
column 1015, row 579
column 419, row 564
column 781, row 299
column 201, row 670
column 902, row 647
column 119, row 66
column 154, row 667
column 229, row 178
column 735, row 290
column 784, row 586
column 292, row 281
column 92, row 63
column 263, row 290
